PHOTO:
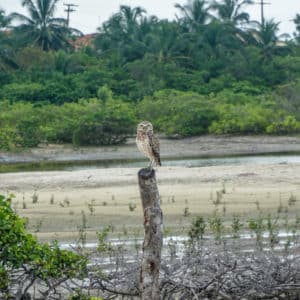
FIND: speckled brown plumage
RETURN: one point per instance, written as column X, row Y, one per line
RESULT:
column 148, row 143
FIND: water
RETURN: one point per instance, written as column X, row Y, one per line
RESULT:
column 282, row 235
column 184, row 162
column 221, row 161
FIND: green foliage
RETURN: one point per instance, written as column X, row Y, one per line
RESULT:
column 288, row 125
column 61, row 121
column 288, row 96
column 236, row 226
column 28, row 130
column 196, row 75
column 257, row 227
column 108, row 121
column 19, row 249
column 88, row 122
column 246, row 119
column 228, row 112
column 103, row 244
column 197, row 229
column 104, row 93
column 216, row 225
column 177, row 113
column 35, row 60
column 22, row 92
column 273, row 230
column 241, row 113
column 42, row 28
column 108, row 124
column 9, row 139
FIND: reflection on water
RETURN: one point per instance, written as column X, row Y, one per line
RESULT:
column 185, row 162
column 205, row 162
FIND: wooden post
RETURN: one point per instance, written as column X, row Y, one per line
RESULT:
column 149, row 277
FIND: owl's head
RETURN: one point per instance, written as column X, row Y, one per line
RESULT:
column 145, row 127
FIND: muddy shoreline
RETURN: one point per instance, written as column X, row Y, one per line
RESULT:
column 203, row 146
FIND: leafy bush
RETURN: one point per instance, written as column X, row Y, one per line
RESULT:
column 21, row 251
column 34, row 59
column 175, row 112
column 108, row 121
column 241, row 119
column 59, row 122
column 104, row 93
column 88, row 122
column 288, row 125
column 9, row 139
column 197, row 229
column 228, row 112
column 28, row 130
column 106, row 125
column 22, row 92
column 288, row 98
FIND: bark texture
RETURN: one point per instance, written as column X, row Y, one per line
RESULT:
column 153, row 220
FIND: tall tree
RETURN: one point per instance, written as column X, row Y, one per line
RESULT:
column 266, row 37
column 297, row 23
column 194, row 14
column 121, row 34
column 164, row 41
column 231, row 13
column 231, row 10
column 7, row 60
column 131, row 18
column 4, row 20
column 41, row 28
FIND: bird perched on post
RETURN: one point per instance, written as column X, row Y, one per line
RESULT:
column 148, row 143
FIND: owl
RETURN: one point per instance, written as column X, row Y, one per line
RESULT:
column 148, row 143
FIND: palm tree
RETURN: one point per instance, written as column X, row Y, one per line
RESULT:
column 131, row 18
column 231, row 14
column 266, row 37
column 230, row 11
column 297, row 23
column 7, row 55
column 41, row 28
column 195, row 14
column 121, row 34
column 124, row 24
column 163, row 42
column 4, row 20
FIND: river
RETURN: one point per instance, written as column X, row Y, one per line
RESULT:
column 282, row 158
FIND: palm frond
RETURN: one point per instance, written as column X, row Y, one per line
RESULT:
column 59, row 21
column 32, row 9
column 21, row 18
column 41, row 27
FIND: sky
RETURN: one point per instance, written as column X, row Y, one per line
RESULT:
column 91, row 14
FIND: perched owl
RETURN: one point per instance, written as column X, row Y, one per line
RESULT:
column 148, row 143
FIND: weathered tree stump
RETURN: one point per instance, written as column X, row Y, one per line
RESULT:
column 153, row 220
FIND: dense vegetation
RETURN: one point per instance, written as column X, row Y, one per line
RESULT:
column 24, row 261
column 212, row 70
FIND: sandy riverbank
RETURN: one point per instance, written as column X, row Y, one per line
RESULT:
column 111, row 193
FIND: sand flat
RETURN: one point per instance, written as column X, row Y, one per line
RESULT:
column 112, row 191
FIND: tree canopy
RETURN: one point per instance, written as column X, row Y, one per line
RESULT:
column 210, row 47
column 41, row 27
